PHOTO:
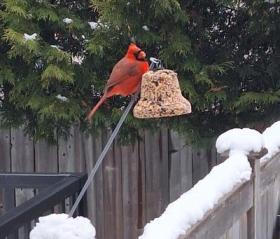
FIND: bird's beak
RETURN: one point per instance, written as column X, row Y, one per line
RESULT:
column 141, row 55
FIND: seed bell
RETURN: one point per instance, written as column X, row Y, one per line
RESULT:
column 161, row 96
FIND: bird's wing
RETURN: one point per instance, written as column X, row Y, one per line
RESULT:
column 124, row 69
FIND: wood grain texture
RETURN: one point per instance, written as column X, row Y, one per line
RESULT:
column 22, row 152
column 98, row 185
column 164, row 168
column 130, row 160
column 200, row 162
column 88, row 144
column 152, row 181
column 70, row 152
column 175, row 176
column 142, row 184
column 5, row 150
column 22, row 160
column 5, row 159
column 118, row 177
column 109, row 192
column 46, row 158
column 269, row 171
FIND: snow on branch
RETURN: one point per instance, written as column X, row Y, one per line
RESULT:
column 67, row 20
column 28, row 37
column 62, row 98
column 93, row 25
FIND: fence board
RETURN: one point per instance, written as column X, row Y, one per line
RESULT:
column 175, row 166
column 236, row 230
column 156, row 179
column 98, row 184
column 270, row 212
column 142, row 184
column 79, row 152
column 109, row 192
column 264, row 217
column 5, row 151
column 70, row 152
column 186, row 167
column 22, row 160
column 118, row 192
column 89, row 156
column 233, row 232
column 152, row 178
column 243, row 227
column 164, row 168
column 200, row 164
column 46, row 158
column 22, row 152
column 129, row 190
column 269, row 172
column 212, row 156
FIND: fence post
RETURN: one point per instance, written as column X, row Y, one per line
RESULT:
column 254, row 214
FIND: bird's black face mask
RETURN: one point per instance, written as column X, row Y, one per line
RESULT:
column 140, row 55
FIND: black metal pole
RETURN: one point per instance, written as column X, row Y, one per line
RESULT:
column 102, row 155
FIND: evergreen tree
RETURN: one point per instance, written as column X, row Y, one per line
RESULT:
column 226, row 54
column 41, row 42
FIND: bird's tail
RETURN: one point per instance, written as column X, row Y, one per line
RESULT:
column 96, row 107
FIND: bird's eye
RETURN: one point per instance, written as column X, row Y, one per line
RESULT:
column 136, row 54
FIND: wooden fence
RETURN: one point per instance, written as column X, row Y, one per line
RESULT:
column 134, row 184
column 249, row 211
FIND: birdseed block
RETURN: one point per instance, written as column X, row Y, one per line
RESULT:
column 161, row 96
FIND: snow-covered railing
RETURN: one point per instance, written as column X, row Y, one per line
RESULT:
column 237, row 199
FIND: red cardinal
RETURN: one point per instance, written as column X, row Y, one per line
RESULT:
column 126, row 76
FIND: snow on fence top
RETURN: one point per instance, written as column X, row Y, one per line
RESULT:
column 60, row 226
column 271, row 138
column 244, row 140
column 180, row 215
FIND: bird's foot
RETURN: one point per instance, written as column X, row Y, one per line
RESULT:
column 135, row 96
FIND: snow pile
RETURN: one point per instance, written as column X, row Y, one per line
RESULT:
column 248, row 140
column 180, row 215
column 29, row 37
column 271, row 138
column 67, row 20
column 60, row 226
column 244, row 140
